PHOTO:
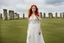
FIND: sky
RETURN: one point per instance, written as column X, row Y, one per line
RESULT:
column 22, row 6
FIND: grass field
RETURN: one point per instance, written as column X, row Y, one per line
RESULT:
column 14, row 31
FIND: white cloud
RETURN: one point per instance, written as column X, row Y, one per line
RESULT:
column 54, row 1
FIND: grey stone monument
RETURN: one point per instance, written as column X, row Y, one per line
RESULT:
column 50, row 15
column 56, row 15
column 15, row 15
column 41, row 14
column 23, row 15
column 63, row 14
column 44, row 15
column 18, row 16
column 11, row 14
column 60, row 15
column 4, row 14
column 0, row 15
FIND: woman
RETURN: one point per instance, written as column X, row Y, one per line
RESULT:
column 34, row 33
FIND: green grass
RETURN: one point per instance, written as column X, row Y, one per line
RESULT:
column 15, row 31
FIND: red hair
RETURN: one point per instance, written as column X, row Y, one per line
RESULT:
column 30, row 11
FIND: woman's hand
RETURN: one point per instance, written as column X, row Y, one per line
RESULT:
column 39, row 33
column 38, row 17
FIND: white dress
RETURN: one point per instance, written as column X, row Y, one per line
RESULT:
column 33, row 31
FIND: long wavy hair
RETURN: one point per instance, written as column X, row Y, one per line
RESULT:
column 30, row 11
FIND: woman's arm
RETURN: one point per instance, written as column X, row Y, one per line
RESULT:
column 39, row 27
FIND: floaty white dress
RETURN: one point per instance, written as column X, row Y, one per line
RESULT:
column 33, row 31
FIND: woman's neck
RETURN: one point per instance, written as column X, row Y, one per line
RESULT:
column 33, row 13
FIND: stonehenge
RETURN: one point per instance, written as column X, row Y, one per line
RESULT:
column 5, row 14
column 16, row 16
column 60, row 15
column 50, row 15
column 11, row 15
column 41, row 14
column 63, row 14
column 44, row 15
column 23, row 15
column 56, row 15
column 0, row 15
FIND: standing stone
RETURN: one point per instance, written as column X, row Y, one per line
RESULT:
column 23, row 15
column 60, row 15
column 4, row 14
column 63, row 14
column 8, row 16
column 15, row 15
column 11, row 14
column 56, row 15
column 41, row 14
column 18, row 16
column 0, row 16
column 50, row 15
column 44, row 15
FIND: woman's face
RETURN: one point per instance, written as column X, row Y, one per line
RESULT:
column 33, row 9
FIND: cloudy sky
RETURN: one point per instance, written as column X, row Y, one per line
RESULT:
column 20, row 6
